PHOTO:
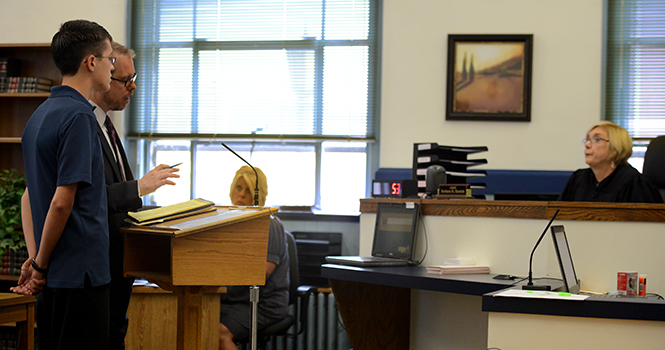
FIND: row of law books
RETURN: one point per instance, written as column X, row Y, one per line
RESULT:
column 24, row 84
column 9, row 338
column 11, row 262
column 9, row 67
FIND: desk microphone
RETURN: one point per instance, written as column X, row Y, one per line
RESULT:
column 530, row 285
column 256, row 185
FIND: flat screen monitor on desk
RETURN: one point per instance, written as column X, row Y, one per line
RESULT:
column 394, row 237
column 565, row 259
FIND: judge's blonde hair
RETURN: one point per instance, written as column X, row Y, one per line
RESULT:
column 621, row 145
column 250, row 179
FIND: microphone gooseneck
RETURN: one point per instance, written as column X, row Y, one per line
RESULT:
column 530, row 285
column 256, row 185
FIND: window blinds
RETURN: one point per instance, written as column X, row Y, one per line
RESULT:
column 267, row 68
column 635, row 93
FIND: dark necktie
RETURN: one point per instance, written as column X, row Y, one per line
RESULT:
column 112, row 135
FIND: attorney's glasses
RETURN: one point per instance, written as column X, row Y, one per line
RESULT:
column 127, row 82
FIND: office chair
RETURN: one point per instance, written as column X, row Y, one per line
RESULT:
column 296, row 292
column 654, row 163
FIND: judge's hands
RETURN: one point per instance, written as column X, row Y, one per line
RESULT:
column 156, row 178
column 31, row 281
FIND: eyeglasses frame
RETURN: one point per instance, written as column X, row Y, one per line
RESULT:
column 593, row 140
column 110, row 58
column 128, row 82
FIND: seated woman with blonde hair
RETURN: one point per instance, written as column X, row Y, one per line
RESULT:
column 609, row 178
column 274, row 295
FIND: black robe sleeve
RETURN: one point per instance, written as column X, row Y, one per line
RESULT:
column 624, row 185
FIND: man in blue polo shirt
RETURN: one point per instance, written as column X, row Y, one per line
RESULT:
column 64, row 206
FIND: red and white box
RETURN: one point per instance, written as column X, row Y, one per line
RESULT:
column 627, row 283
column 643, row 286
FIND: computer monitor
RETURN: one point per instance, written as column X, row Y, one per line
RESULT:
column 395, row 230
column 565, row 259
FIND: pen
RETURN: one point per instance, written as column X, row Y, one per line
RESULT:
column 173, row 166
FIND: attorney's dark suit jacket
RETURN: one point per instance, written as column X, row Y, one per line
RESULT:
column 122, row 196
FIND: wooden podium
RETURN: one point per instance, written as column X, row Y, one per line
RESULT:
column 190, row 256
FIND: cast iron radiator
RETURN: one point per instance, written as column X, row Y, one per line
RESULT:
column 324, row 329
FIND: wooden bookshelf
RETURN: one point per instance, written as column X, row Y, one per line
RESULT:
column 16, row 108
column 32, row 94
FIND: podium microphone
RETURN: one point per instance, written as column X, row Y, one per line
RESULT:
column 530, row 285
column 256, row 185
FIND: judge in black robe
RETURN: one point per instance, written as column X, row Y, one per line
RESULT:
column 609, row 177
column 625, row 184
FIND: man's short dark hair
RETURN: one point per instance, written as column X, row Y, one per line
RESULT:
column 75, row 40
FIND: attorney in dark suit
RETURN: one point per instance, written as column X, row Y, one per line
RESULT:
column 123, row 191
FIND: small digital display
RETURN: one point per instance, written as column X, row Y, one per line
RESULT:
column 387, row 188
column 395, row 188
column 392, row 188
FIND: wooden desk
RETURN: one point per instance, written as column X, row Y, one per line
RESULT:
column 593, row 323
column 586, row 211
column 153, row 319
column 603, row 237
column 375, row 302
column 227, row 249
column 642, row 309
column 19, row 309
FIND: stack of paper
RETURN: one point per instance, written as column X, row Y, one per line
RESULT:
column 457, row 270
column 459, row 262
column 457, row 266
column 171, row 212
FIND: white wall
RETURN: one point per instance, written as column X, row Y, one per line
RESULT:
column 566, row 99
column 36, row 21
column 525, row 332
column 599, row 249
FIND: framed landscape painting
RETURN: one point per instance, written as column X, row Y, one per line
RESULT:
column 489, row 77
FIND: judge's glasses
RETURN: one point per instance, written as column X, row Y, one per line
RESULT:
column 594, row 139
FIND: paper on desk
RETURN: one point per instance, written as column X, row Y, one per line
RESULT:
column 140, row 282
column 170, row 210
column 220, row 216
column 539, row 294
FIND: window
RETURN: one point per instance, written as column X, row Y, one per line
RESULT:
column 289, row 85
column 635, row 79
